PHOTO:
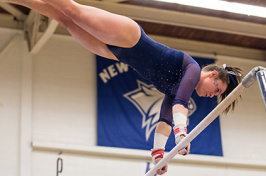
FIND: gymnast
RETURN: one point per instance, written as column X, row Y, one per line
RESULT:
column 172, row 72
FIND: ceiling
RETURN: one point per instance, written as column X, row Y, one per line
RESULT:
column 184, row 27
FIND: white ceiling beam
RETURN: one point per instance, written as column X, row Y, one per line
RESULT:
column 14, row 11
column 33, row 30
column 10, row 45
column 45, row 37
column 211, row 48
column 30, row 18
column 182, row 19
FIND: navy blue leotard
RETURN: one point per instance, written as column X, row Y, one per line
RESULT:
column 172, row 72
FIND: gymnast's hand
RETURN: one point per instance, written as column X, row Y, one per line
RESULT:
column 157, row 155
column 184, row 151
column 180, row 132
column 162, row 170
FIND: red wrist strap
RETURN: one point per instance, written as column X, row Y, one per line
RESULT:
column 157, row 153
column 177, row 130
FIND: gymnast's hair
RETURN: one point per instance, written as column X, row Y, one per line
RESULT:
column 230, row 75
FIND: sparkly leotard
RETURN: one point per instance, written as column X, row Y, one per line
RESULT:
column 172, row 72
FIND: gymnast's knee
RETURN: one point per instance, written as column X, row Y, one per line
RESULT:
column 166, row 121
column 70, row 10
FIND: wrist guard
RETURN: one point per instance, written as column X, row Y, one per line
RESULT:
column 180, row 131
column 157, row 153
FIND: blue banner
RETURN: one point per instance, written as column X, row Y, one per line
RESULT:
column 128, row 108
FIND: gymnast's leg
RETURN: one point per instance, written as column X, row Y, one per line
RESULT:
column 87, row 40
column 109, row 28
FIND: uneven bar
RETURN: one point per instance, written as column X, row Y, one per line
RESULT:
column 261, row 76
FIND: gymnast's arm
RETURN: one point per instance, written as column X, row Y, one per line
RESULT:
column 190, row 79
column 163, row 130
column 176, row 108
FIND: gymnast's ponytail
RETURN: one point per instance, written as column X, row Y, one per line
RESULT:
column 235, row 77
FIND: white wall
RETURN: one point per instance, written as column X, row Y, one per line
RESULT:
column 63, row 118
column 10, row 83
column 64, row 93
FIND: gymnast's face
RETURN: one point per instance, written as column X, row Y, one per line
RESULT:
column 209, row 85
